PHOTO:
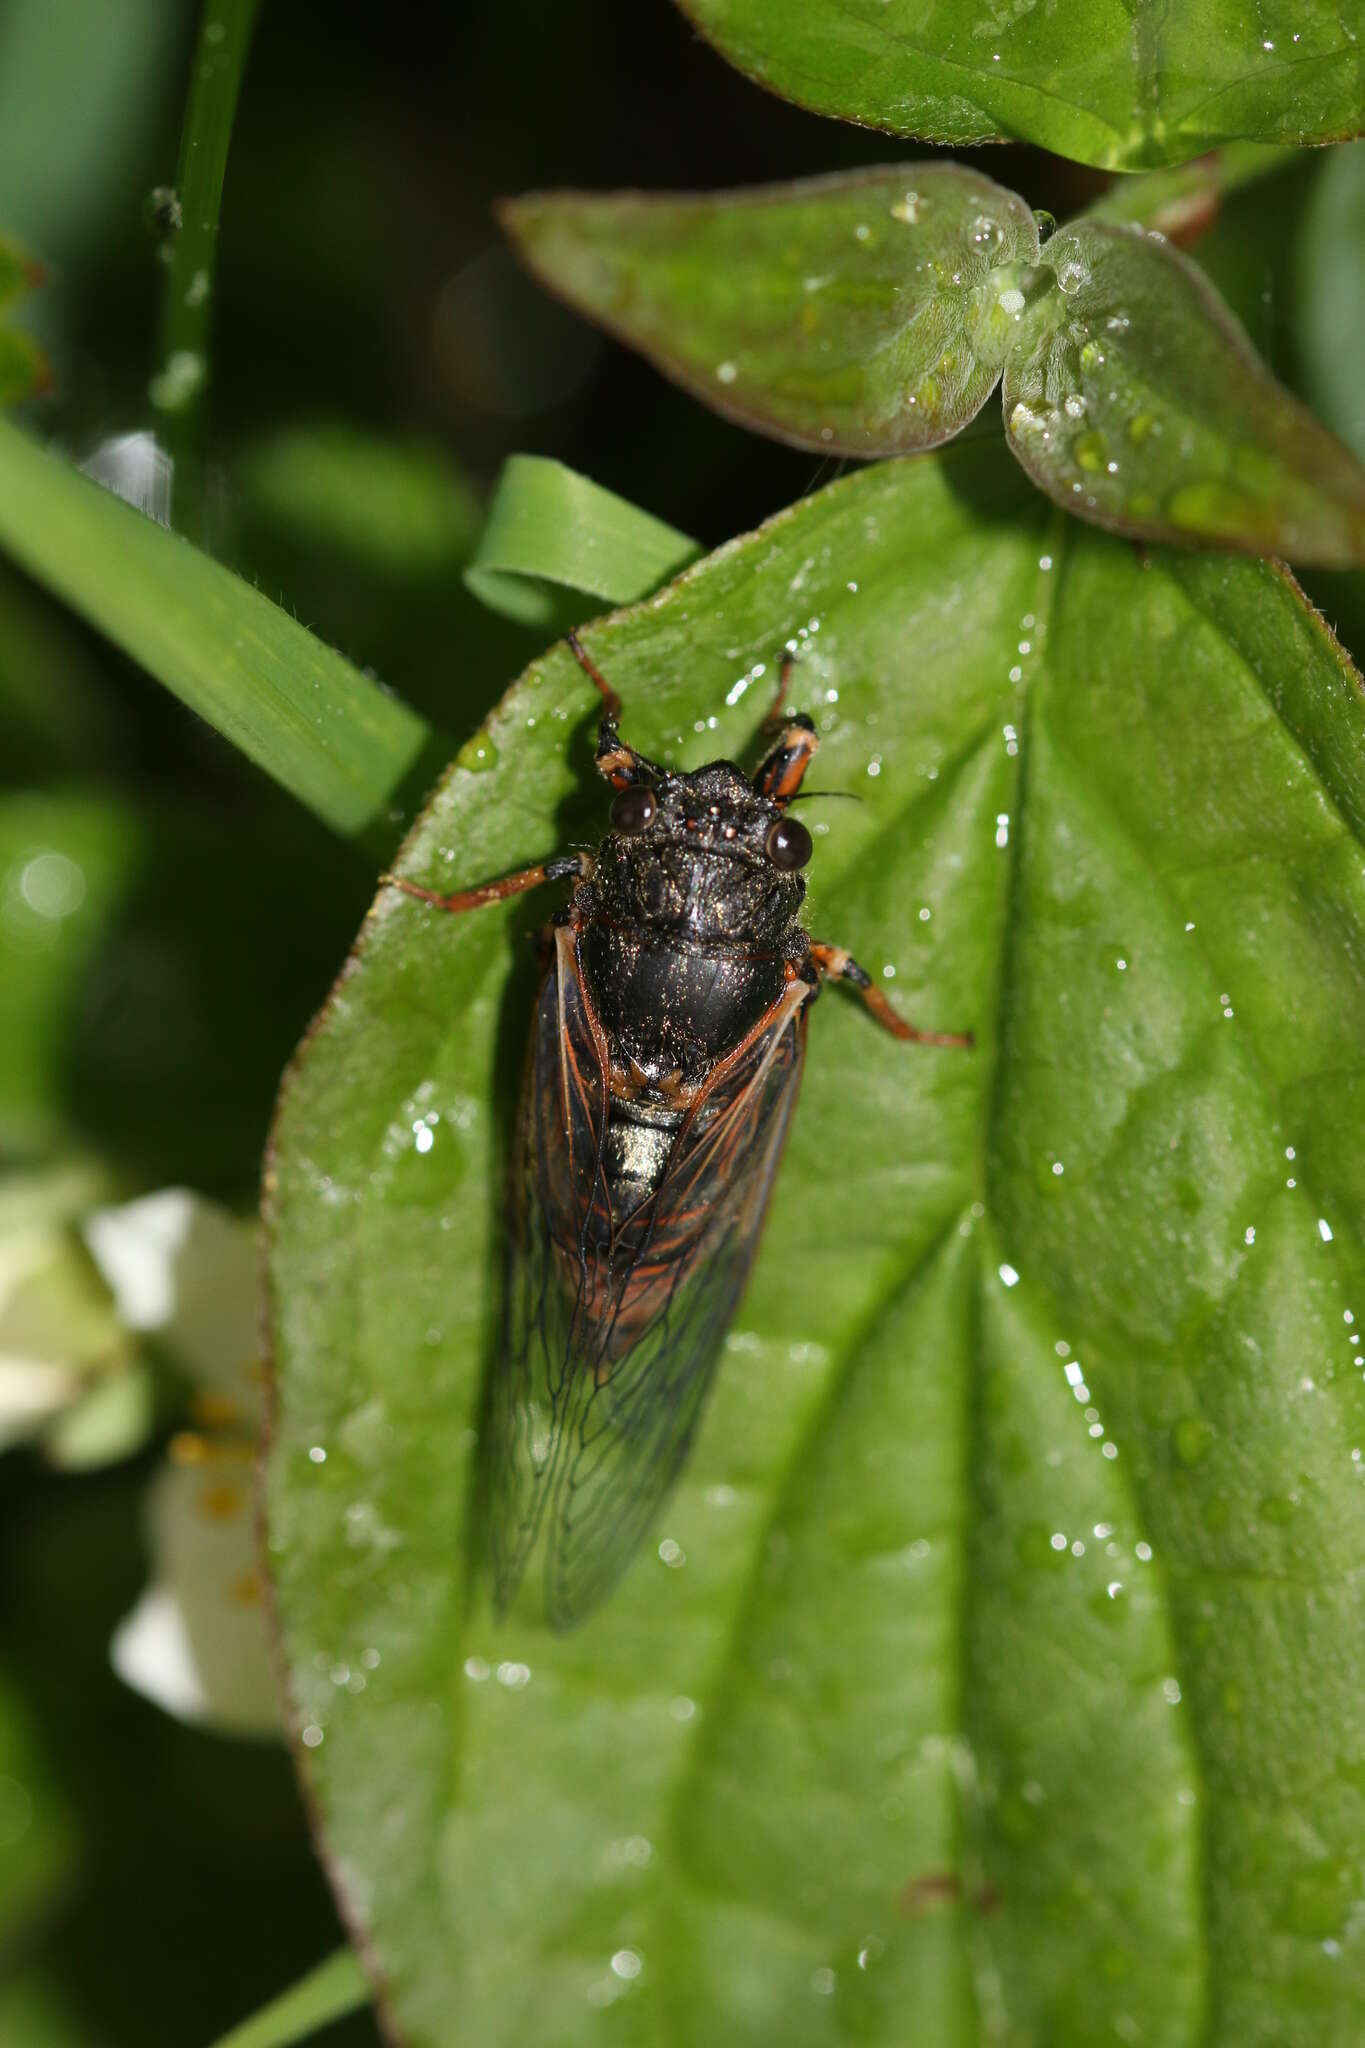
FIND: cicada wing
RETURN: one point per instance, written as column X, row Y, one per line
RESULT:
column 558, row 1185
column 641, row 1372
column 615, row 1325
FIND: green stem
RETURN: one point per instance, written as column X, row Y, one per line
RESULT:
column 1184, row 202
column 335, row 1987
column 178, row 388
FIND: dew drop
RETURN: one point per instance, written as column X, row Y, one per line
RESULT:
column 162, row 213
column 477, row 755
column 1090, row 451
column 1191, row 1438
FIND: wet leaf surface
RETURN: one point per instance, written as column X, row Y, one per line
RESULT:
column 1134, row 399
column 857, row 314
column 1004, row 1681
column 1125, row 84
column 873, row 313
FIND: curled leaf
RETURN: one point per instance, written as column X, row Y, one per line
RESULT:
column 858, row 314
column 1135, row 400
column 551, row 532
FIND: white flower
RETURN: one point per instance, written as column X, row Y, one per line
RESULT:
column 71, row 1377
column 184, row 1273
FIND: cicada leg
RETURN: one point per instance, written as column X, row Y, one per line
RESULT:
column 620, row 763
column 839, row 965
column 579, row 864
column 782, row 770
column 773, row 719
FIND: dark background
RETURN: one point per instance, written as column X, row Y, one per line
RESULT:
column 361, row 284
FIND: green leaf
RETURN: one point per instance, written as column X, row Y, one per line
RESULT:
column 141, row 949
column 24, row 368
column 1134, row 399
column 381, row 506
column 1323, row 300
column 1329, row 299
column 331, row 737
column 1184, row 202
column 550, row 530
column 1123, row 86
column 18, row 273
column 57, row 716
column 40, row 1829
column 367, row 539
column 857, row 314
column 1005, row 1681
column 337, row 1986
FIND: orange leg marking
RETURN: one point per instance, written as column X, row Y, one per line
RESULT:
column 494, row 892
column 839, row 965
column 783, row 770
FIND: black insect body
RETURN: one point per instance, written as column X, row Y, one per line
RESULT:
column 663, row 1071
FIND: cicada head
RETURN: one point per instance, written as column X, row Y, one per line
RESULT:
column 706, row 855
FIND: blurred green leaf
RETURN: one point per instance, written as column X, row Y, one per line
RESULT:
column 23, row 367
column 1089, row 79
column 18, row 273
column 1329, row 295
column 65, row 868
column 1324, row 302
column 367, row 539
column 57, row 716
column 1004, row 1681
column 143, row 949
column 331, row 737
column 37, row 2009
column 550, row 532
column 856, row 314
column 1134, row 399
column 395, row 507
column 337, row 1986
column 40, row 1846
column 65, row 181
column 1185, row 201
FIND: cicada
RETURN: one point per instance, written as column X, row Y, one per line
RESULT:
column 665, row 1059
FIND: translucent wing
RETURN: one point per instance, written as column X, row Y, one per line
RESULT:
column 616, row 1323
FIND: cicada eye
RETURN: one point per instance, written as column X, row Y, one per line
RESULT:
column 632, row 809
column 789, row 844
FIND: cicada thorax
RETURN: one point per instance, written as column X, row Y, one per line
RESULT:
column 671, row 1006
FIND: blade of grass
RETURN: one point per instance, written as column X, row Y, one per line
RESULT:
column 325, row 732
column 336, row 1987
column 550, row 531
column 191, row 249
